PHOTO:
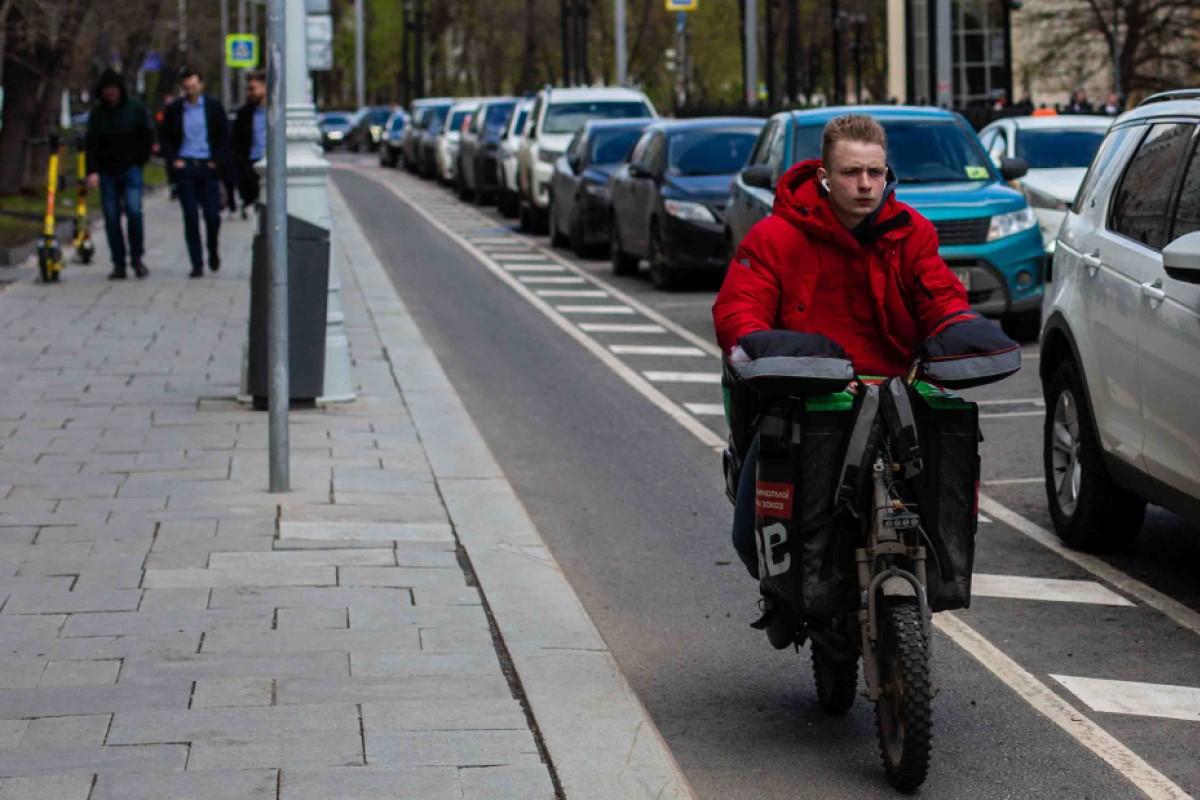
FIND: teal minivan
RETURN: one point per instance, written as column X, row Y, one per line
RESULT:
column 987, row 232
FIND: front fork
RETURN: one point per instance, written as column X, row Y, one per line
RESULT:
column 892, row 539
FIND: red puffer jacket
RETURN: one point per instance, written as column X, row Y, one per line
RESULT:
column 879, row 294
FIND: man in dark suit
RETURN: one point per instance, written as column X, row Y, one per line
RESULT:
column 250, row 138
column 196, row 143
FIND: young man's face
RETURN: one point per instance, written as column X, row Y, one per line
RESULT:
column 255, row 91
column 856, row 175
column 192, row 87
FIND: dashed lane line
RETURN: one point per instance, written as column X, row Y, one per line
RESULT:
column 571, row 293
column 1050, row 590
column 552, row 279
column 1135, row 698
column 1133, row 767
column 527, row 267
column 706, row 409
column 621, row 327
column 596, row 309
column 664, row 376
column 685, row 351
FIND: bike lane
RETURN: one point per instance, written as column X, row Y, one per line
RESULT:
column 636, row 515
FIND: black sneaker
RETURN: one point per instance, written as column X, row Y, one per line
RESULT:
column 140, row 270
column 117, row 275
column 214, row 263
column 196, row 273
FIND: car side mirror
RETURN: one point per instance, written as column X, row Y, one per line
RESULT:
column 760, row 176
column 1012, row 169
column 639, row 171
column 1181, row 258
column 574, row 162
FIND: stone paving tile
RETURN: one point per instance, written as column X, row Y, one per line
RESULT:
column 149, row 727
column 208, row 666
column 446, row 596
column 240, row 576
column 86, row 700
column 54, row 600
column 399, row 577
column 168, row 599
column 322, row 597
column 281, row 642
column 80, row 673
column 388, row 664
column 21, row 673
column 445, row 715
column 369, row 783
column 66, row 731
column 375, row 617
column 76, row 786
column 50, row 760
column 506, row 783
column 233, row 692
column 154, row 619
column 451, row 748
column 233, row 784
column 279, row 559
column 82, row 648
column 336, row 530
column 320, row 749
column 458, row 639
column 299, row 619
column 11, row 731
column 290, row 691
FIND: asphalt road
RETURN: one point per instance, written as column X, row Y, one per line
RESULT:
column 631, row 502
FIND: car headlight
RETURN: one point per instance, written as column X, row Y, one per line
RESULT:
column 375, row 131
column 335, row 135
column 548, row 156
column 692, row 212
column 1011, row 223
column 1039, row 200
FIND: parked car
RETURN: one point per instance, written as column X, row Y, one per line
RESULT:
column 418, row 118
column 556, row 115
column 987, row 233
column 390, row 151
column 367, row 128
column 1120, row 351
column 668, row 200
column 479, row 147
column 507, row 197
column 579, row 200
column 449, row 137
column 334, row 125
column 1058, row 151
column 434, row 120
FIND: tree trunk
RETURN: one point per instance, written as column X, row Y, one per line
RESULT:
column 21, row 88
column 529, row 63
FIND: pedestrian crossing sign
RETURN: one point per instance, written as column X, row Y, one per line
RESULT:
column 241, row 50
column 682, row 5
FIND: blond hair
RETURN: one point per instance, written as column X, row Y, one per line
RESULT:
column 851, row 128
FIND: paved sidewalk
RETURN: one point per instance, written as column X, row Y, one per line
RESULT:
column 170, row 630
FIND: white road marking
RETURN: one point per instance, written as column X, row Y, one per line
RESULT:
column 657, row 350
column 1138, row 699
column 571, row 293
column 1052, row 590
column 529, row 255
column 1132, row 587
column 1033, row 401
column 552, row 279
column 1013, row 414
column 984, row 519
column 532, row 267
column 621, row 327
column 706, row 409
column 493, row 240
column 1013, row 481
column 596, row 309
column 682, row 377
column 1133, row 767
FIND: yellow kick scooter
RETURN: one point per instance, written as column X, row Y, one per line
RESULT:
column 50, row 257
column 82, row 240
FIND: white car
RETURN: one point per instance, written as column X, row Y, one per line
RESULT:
column 1058, row 151
column 553, row 120
column 1120, row 352
column 446, row 151
column 510, row 145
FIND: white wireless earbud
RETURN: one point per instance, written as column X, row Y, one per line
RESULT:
column 825, row 183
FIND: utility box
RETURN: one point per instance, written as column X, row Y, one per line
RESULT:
column 308, row 295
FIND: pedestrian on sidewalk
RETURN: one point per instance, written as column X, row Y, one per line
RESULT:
column 196, row 142
column 117, row 145
column 250, row 138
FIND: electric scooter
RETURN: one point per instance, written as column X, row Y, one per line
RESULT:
column 50, row 256
column 82, row 238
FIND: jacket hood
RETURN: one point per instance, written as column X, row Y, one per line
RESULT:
column 804, row 202
column 111, row 77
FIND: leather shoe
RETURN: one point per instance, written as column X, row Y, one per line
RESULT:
column 214, row 263
column 196, row 273
column 140, row 270
column 117, row 275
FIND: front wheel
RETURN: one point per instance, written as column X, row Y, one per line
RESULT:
column 904, row 711
column 836, row 677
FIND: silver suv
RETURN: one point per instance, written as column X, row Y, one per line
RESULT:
column 1120, row 362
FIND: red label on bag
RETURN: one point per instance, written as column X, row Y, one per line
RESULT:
column 773, row 499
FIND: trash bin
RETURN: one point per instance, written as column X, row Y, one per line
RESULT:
column 308, row 288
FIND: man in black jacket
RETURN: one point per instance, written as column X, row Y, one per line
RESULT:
column 118, row 142
column 196, row 144
column 250, row 138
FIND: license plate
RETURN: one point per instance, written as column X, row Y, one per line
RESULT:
column 964, row 275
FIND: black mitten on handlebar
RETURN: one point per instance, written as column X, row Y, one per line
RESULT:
column 969, row 353
column 770, row 344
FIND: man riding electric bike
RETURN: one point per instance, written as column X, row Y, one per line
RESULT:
column 848, row 474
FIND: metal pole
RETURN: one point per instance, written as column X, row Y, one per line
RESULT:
column 751, row 53
column 619, row 24
column 791, row 87
column 277, row 257
column 839, row 80
column 564, row 24
column 680, row 59
column 769, row 24
column 360, row 58
column 582, row 22
column 241, row 28
column 226, row 96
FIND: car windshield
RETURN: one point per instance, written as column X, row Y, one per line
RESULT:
column 378, row 116
column 1052, row 149
column 498, row 114
column 919, row 151
column 436, row 116
column 611, row 147
column 519, row 126
column 710, row 152
column 456, row 119
column 335, row 119
column 567, row 117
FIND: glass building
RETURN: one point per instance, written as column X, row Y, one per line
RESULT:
column 957, row 52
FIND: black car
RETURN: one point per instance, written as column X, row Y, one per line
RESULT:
column 669, row 198
column 390, row 151
column 334, row 125
column 579, row 209
column 479, row 149
column 368, row 127
column 432, row 122
column 410, row 145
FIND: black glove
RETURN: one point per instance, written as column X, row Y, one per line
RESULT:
column 973, row 336
column 765, row 344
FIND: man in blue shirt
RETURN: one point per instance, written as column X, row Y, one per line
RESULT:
column 250, row 138
column 196, row 144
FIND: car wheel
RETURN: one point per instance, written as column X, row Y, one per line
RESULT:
column 1089, row 510
column 622, row 263
column 524, row 216
column 578, row 239
column 556, row 237
column 661, row 274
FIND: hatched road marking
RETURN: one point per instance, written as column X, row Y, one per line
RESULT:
column 531, row 267
column 571, row 293
column 1045, row 589
column 706, row 409
column 659, row 376
column 657, row 350
column 553, row 279
column 597, row 309
column 621, row 327
column 1137, row 699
